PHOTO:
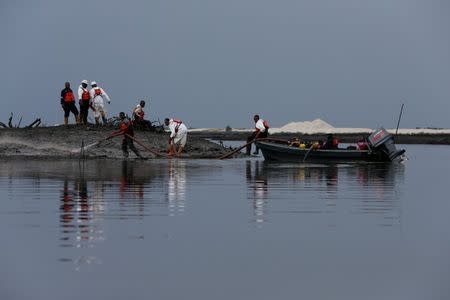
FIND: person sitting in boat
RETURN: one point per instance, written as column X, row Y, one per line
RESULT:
column 330, row 143
column 261, row 131
column 362, row 145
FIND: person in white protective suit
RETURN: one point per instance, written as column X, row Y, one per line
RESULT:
column 178, row 135
column 98, row 95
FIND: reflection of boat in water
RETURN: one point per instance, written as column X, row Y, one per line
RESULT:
column 381, row 148
column 338, row 189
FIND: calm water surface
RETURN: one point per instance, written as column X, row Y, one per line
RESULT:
column 235, row 229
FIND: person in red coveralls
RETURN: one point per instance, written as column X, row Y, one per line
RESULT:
column 126, row 128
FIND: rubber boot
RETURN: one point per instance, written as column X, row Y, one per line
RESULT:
column 66, row 121
column 248, row 149
column 97, row 121
column 104, row 120
column 172, row 150
column 180, row 150
column 138, row 154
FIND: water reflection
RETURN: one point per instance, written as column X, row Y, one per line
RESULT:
column 176, row 187
column 314, row 189
column 94, row 197
column 256, row 177
column 94, row 193
column 86, row 195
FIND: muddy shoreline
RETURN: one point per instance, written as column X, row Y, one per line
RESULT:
column 61, row 142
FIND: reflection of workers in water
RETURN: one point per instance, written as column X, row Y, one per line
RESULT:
column 176, row 187
column 67, row 205
column 257, row 182
column 81, row 187
column 130, row 186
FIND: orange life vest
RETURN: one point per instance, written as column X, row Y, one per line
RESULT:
column 68, row 97
column 85, row 95
column 140, row 114
column 179, row 122
column 124, row 126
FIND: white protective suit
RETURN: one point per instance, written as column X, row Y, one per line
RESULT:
column 97, row 96
column 178, row 131
column 259, row 126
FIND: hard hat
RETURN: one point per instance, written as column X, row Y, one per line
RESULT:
column 85, row 81
column 93, row 83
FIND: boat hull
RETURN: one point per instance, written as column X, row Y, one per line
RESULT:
column 284, row 153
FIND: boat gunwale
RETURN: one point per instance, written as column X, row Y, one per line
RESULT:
column 296, row 149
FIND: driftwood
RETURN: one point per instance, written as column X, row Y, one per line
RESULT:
column 20, row 121
column 10, row 121
column 35, row 123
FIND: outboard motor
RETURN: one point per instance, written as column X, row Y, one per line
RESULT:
column 383, row 141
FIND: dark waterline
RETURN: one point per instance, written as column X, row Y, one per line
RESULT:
column 236, row 229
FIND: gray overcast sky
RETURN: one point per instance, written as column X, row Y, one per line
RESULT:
column 213, row 63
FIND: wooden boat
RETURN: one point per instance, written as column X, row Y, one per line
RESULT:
column 381, row 148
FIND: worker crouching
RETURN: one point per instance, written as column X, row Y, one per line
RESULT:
column 68, row 104
column 178, row 135
column 126, row 128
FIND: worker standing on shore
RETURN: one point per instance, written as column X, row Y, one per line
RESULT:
column 84, row 100
column 68, row 104
column 126, row 128
column 97, row 95
column 139, row 114
column 178, row 135
column 261, row 131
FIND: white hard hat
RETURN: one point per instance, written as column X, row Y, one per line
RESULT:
column 85, row 81
column 93, row 83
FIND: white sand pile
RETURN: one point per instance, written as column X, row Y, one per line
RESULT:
column 316, row 126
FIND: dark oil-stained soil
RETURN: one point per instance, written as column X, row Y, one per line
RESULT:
column 65, row 142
